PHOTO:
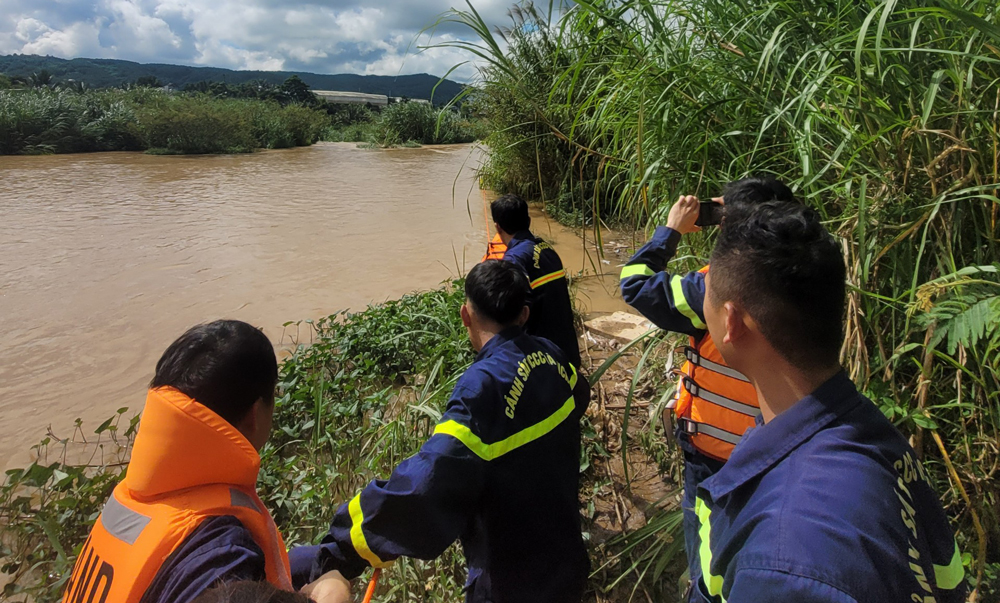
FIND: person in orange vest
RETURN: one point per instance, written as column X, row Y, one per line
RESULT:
column 187, row 515
column 715, row 404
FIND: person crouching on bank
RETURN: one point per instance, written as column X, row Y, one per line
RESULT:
column 187, row 516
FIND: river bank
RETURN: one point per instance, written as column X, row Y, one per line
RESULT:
column 342, row 417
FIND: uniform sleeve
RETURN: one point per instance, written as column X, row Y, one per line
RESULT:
column 672, row 302
column 418, row 512
column 757, row 585
column 221, row 549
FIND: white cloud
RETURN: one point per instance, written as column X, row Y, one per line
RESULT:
column 323, row 36
column 39, row 38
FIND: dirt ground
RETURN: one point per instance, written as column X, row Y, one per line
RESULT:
column 614, row 501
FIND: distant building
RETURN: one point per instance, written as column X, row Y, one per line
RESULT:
column 346, row 98
column 419, row 101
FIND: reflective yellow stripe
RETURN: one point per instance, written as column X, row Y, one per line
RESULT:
column 949, row 576
column 712, row 582
column 682, row 305
column 538, row 282
column 488, row 452
column 358, row 536
column 636, row 270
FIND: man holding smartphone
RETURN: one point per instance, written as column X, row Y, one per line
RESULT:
column 714, row 404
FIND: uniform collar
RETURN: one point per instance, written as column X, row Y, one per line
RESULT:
column 521, row 235
column 498, row 340
column 765, row 445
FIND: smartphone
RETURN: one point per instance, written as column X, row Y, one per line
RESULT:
column 709, row 214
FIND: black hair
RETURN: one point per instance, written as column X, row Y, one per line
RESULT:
column 756, row 189
column 498, row 290
column 787, row 271
column 227, row 365
column 511, row 213
column 246, row 591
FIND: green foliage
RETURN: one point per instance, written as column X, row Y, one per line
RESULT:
column 404, row 122
column 359, row 398
column 142, row 118
column 47, row 121
column 882, row 115
column 48, row 508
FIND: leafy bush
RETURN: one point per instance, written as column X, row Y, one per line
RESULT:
column 189, row 124
column 47, row 120
column 420, row 122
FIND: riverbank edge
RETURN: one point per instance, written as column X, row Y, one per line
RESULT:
column 359, row 397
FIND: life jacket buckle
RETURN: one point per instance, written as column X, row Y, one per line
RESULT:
column 691, row 386
column 692, row 355
column 687, row 426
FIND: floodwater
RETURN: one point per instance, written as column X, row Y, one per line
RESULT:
column 106, row 258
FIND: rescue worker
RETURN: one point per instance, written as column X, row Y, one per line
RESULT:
column 500, row 471
column 824, row 500
column 715, row 404
column 551, row 308
column 187, row 516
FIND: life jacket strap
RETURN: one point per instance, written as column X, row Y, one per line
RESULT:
column 704, row 394
column 693, row 427
column 696, row 359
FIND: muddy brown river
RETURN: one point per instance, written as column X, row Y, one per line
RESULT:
column 106, row 258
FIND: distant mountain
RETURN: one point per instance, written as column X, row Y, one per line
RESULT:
column 105, row 73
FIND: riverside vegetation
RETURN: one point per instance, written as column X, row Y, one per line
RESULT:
column 883, row 115
column 358, row 394
column 208, row 118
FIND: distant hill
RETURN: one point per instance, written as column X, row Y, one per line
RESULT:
column 105, row 73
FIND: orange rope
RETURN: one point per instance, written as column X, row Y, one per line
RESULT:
column 486, row 215
column 371, row 586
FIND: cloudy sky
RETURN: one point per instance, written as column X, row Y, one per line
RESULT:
column 321, row 36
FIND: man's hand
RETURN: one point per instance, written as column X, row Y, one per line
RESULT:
column 684, row 214
column 331, row 587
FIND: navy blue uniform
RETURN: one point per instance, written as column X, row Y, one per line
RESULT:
column 500, row 473
column 551, row 309
column 219, row 550
column 826, row 503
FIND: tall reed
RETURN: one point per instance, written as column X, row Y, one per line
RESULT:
column 882, row 114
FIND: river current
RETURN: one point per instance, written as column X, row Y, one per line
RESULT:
column 106, row 258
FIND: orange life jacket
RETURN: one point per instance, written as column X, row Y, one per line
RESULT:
column 188, row 464
column 495, row 250
column 715, row 403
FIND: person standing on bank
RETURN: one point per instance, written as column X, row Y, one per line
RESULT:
column 715, row 404
column 823, row 501
column 500, row 472
column 551, row 309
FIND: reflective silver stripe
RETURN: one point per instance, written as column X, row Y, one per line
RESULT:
column 704, row 394
column 698, row 360
column 720, row 434
column 121, row 522
column 239, row 498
